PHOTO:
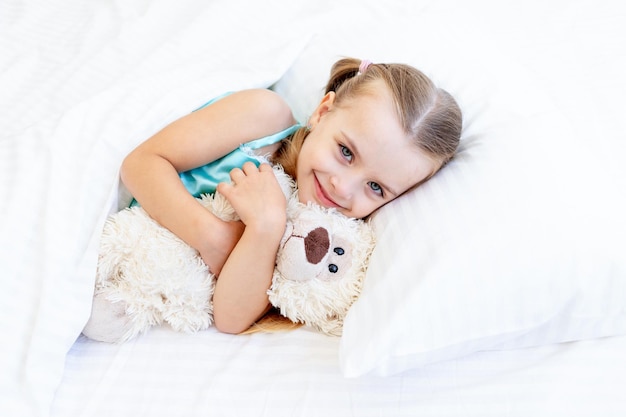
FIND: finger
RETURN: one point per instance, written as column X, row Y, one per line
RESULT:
column 265, row 167
column 249, row 168
column 224, row 188
column 236, row 173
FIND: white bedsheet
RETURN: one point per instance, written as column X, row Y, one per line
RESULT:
column 296, row 374
column 81, row 83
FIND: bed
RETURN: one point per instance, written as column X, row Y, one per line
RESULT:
column 497, row 288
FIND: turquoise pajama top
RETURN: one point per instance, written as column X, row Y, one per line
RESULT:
column 204, row 179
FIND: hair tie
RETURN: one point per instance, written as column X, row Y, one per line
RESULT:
column 365, row 63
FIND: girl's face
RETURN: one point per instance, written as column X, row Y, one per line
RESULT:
column 357, row 157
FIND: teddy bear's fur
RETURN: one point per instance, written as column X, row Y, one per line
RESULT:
column 146, row 275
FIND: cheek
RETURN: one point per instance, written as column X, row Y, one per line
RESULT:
column 302, row 161
column 363, row 207
column 305, row 151
column 310, row 159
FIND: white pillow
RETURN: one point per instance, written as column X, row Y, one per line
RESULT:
column 503, row 249
column 517, row 242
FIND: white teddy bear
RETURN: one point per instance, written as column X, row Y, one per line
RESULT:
column 146, row 275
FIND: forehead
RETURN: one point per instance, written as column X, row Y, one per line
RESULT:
column 372, row 127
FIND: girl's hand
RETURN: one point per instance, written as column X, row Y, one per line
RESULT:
column 256, row 197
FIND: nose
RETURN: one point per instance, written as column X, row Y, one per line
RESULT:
column 316, row 245
column 342, row 186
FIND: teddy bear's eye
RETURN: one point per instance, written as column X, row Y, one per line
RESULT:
column 333, row 268
column 339, row 251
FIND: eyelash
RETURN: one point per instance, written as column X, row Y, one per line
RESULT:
column 347, row 155
column 379, row 189
column 345, row 150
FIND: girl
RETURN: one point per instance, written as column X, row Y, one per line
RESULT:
column 379, row 130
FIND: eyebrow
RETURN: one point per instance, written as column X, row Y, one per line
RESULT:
column 355, row 150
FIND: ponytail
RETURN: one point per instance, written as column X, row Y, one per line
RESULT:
column 341, row 71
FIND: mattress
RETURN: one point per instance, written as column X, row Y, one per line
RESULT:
column 496, row 288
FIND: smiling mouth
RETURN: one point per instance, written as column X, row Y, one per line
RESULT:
column 322, row 197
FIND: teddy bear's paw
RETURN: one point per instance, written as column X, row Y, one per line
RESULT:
column 108, row 321
column 115, row 321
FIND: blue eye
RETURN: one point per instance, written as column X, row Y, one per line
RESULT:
column 375, row 187
column 346, row 153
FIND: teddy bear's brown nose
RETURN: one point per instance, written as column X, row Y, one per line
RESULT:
column 316, row 245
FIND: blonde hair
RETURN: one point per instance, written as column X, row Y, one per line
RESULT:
column 428, row 114
column 272, row 321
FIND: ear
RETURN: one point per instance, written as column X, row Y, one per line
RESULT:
column 324, row 107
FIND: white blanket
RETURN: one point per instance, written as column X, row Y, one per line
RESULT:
column 82, row 84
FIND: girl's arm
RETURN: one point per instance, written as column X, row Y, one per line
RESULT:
column 150, row 172
column 240, row 296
